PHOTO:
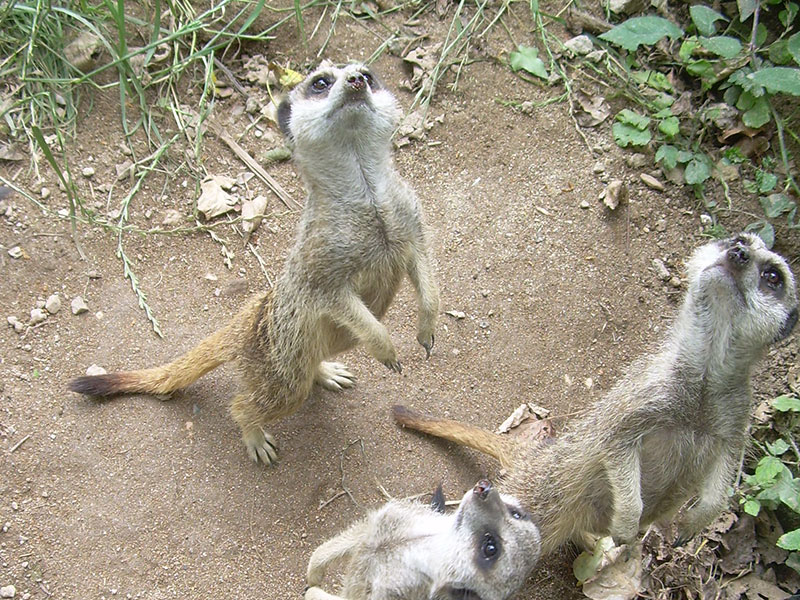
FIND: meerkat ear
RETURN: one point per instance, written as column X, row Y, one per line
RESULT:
column 284, row 114
column 787, row 326
column 438, row 502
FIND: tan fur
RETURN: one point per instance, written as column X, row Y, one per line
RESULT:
column 406, row 550
column 361, row 231
column 673, row 428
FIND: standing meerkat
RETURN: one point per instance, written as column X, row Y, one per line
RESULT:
column 672, row 429
column 482, row 551
column 360, row 232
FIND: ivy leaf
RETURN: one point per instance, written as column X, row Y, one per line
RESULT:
column 767, row 470
column 722, row 45
column 793, row 46
column 779, row 447
column 786, row 403
column 654, row 79
column 630, row 117
column 758, row 115
column 527, row 59
column 778, row 79
column 697, row 171
column 668, row 156
column 746, row 9
column 764, row 230
column 705, row 18
column 669, row 127
column 627, row 135
column 641, row 30
column 775, row 205
column 752, row 507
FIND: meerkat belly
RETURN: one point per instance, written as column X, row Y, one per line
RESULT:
column 673, row 467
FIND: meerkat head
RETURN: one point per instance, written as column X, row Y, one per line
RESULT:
column 739, row 282
column 341, row 105
column 495, row 545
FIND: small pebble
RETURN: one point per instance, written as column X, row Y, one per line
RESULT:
column 172, row 218
column 456, row 314
column 485, row 293
column 8, row 591
column 38, row 316
column 45, row 193
column 661, row 269
column 53, row 304
column 585, row 204
column 652, row 182
column 96, row 370
column 598, row 167
column 15, row 252
column 636, row 160
column 87, row 172
column 79, row 306
column 588, row 383
column 675, row 282
column 14, row 506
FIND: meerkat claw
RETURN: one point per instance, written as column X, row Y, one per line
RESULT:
column 428, row 347
column 394, row 365
column 334, row 376
column 261, row 446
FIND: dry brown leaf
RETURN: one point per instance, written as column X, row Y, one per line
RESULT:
column 82, row 52
column 619, row 576
column 616, row 194
column 214, row 200
column 252, row 212
column 594, row 109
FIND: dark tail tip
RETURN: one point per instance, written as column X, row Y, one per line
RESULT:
column 98, row 385
column 403, row 415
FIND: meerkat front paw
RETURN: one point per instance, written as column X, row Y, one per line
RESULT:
column 426, row 340
column 261, row 446
column 334, row 376
column 394, row 365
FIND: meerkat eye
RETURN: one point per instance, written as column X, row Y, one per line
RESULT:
column 319, row 85
column 368, row 78
column 772, row 278
column 489, row 546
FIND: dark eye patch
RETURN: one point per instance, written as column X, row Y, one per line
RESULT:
column 772, row 277
column 319, row 86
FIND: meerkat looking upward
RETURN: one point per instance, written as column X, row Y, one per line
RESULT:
column 672, row 429
column 482, row 551
column 360, row 232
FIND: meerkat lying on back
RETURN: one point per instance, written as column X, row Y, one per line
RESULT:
column 361, row 231
column 673, row 428
column 482, row 551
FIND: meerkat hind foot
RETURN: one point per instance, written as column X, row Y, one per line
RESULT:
column 334, row 376
column 261, row 446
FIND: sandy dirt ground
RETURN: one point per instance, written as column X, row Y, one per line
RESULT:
column 139, row 498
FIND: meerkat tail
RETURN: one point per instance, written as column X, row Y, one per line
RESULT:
column 493, row 444
column 218, row 348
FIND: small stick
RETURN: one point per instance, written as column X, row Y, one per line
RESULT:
column 19, row 443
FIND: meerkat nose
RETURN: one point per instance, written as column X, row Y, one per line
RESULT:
column 738, row 255
column 356, row 81
column 482, row 488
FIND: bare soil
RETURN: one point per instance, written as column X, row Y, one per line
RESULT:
column 139, row 498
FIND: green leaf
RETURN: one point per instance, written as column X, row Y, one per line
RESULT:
column 684, row 156
column 668, row 156
column 701, row 68
column 775, row 205
column 767, row 470
column 794, row 561
column 627, row 135
column 669, row 127
column 654, row 79
column 778, row 79
column 527, row 59
column 757, row 116
column 585, row 566
column 630, row 117
column 722, row 45
column 779, row 53
column 746, row 9
column 779, row 447
column 787, row 16
column 688, row 46
column 764, row 230
column 786, row 403
column 641, row 30
column 789, row 541
column 705, row 18
column 793, row 46
column 697, row 171
column 766, row 181
column 752, row 507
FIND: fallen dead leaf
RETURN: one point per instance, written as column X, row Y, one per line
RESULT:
column 423, row 60
column 619, row 573
column 252, row 213
column 214, row 200
column 594, row 109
